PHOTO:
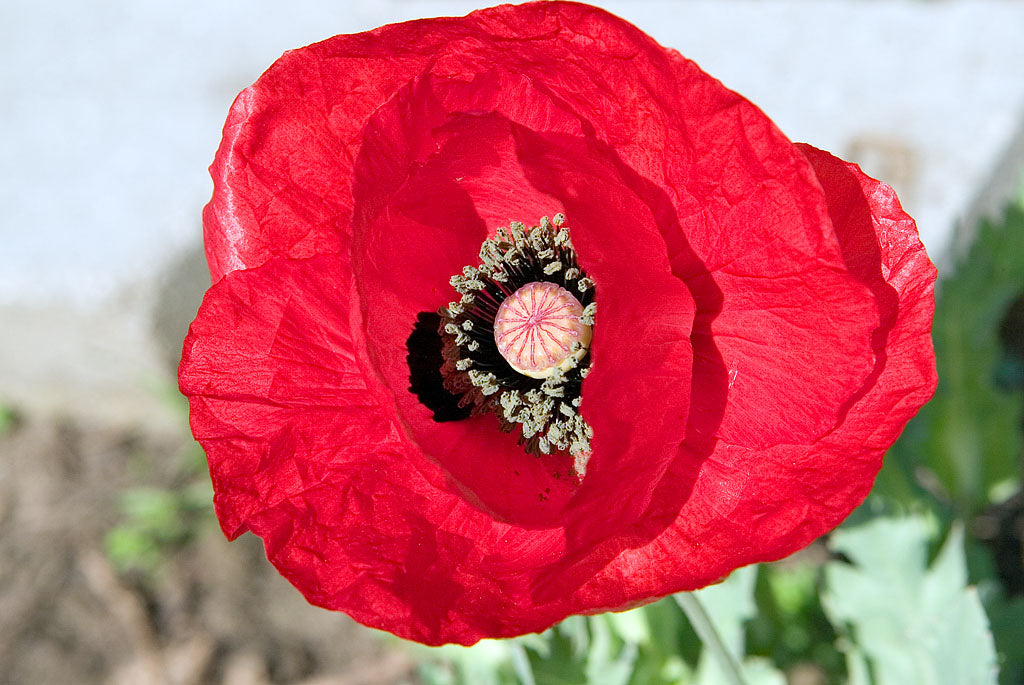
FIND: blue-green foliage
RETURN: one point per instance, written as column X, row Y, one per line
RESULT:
column 906, row 622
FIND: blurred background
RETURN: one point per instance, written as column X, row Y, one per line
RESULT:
column 112, row 567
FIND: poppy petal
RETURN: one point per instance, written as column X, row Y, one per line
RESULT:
column 761, row 335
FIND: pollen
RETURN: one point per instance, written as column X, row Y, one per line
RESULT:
column 538, row 330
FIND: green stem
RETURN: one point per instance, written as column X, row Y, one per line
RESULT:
column 707, row 633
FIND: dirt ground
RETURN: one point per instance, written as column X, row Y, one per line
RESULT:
column 209, row 612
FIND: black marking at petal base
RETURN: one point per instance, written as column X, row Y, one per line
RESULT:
column 424, row 358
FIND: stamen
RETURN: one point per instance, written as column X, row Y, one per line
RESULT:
column 529, row 372
column 587, row 315
column 552, row 268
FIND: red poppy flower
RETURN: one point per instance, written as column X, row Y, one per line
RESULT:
column 762, row 336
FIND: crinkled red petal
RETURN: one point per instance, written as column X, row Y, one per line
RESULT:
column 751, row 505
column 467, row 166
column 306, row 450
column 759, row 343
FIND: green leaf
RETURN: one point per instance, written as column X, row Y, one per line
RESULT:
column 730, row 604
column 9, row 419
column 631, row 626
column 857, row 666
column 575, row 628
column 606, row 665
column 1007, row 617
column 761, row 671
column 433, row 673
column 914, row 624
column 130, row 548
column 482, row 663
column 793, row 589
column 520, row 663
column 539, row 643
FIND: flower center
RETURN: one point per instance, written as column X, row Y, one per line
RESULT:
column 537, row 328
column 517, row 342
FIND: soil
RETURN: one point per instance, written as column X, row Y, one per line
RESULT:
column 209, row 612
